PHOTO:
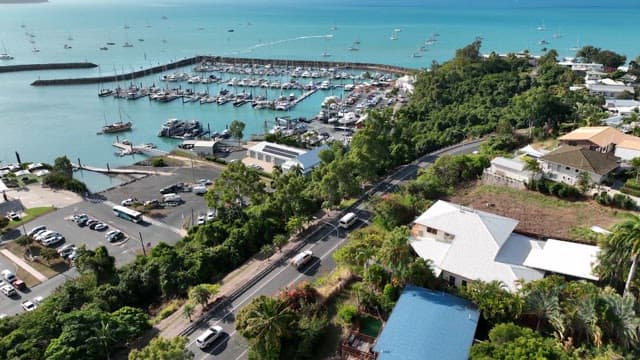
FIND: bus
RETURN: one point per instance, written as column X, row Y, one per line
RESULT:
column 127, row 213
column 348, row 220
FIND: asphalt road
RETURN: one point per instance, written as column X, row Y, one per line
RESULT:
column 232, row 346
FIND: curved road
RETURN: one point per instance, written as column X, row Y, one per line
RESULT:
column 328, row 237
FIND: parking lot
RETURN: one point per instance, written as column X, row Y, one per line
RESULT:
column 166, row 228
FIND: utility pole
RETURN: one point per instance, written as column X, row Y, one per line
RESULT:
column 144, row 251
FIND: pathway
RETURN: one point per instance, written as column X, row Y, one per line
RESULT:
column 21, row 263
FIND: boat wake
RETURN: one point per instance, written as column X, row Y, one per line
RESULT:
column 278, row 42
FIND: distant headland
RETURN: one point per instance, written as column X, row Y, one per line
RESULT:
column 22, row 1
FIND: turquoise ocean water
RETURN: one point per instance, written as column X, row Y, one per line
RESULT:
column 44, row 122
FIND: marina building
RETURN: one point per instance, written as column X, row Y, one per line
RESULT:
column 266, row 155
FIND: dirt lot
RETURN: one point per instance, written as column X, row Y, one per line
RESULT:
column 540, row 214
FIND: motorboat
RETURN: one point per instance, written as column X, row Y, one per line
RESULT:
column 127, row 44
column 105, row 92
column 4, row 55
column 104, row 48
column 67, row 46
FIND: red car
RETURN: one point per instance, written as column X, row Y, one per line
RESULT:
column 19, row 284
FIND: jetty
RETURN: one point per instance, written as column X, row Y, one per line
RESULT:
column 108, row 170
column 397, row 70
column 51, row 66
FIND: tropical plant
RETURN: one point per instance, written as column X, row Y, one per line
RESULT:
column 188, row 309
column 542, row 300
column 200, row 294
column 496, row 303
column 265, row 322
column 164, row 349
column 622, row 245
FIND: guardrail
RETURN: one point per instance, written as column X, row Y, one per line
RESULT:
column 225, row 300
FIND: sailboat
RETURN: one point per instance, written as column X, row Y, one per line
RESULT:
column 116, row 127
column 541, row 27
column 393, row 36
column 334, row 27
column 4, row 55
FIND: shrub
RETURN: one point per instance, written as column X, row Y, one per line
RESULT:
column 560, row 190
column 347, row 313
column 158, row 162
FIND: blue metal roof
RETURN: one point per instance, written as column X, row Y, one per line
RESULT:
column 427, row 324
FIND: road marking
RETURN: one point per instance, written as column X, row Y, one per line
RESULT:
column 241, row 355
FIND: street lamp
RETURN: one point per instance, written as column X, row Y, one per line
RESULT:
column 326, row 222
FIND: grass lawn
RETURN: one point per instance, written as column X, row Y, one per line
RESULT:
column 49, row 270
column 30, row 214
column 540, row 214
column 370, row 325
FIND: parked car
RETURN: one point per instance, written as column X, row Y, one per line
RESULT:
column 152, row 204
column 127, row 202
column 100, row 227
column 209, row 336
column 205, row 182
column 29, row 305
column 201, row 220
column 12, row 215
column 210, row 215
column 90, row 222
column 19, row 284
column 8, row 275
column 53, row 240
column 73, row 256
column 38, row 300
column 8, row 290
column 200, row 190
column 42, row 235
column 36, row 230
column 114, row 236
column 66, row 250
column 81, row 220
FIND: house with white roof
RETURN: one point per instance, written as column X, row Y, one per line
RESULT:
column 508, row 172
column 464, row 244
column 287, row 157
column 609, row 91
column 567, row 258
column 622, row 106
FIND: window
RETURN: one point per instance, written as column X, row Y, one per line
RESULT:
column 464, row 283
column 431, row 230
column 566, row 168
column 267, row 158
column 452, row 280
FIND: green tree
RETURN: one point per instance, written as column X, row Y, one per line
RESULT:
column 49, row 254
column 236, row 183
column 584, row 183
column 635, row 167
column 395, row 252
column 98, row 262
column 509, row 341
column 622, row 245
column 295, row 224
column 200, row 294
column 25, row 241
column 280, row 241
column 619, row 321
column 265, row 322
column 542, row 300
column 188, row 309
column 235, row 129
column 164, row 349
column 62, row 165
column 496, row 303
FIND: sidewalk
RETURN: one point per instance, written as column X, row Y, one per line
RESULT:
column 176, row 322
column 21, row 263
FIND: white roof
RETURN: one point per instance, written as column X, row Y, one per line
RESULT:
column 566, row 258
column 483, row 245
column 276, row 150
column 533, row 152
column 512, row 164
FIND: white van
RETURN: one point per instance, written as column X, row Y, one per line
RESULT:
column 301, row 259
column 171, row 198
column 348, row 220
column 208, row 336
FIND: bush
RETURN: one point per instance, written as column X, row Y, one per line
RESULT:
column 347, row 313
column 158, row 162
column 557, row 189
column 4, row 221
column 617, row 201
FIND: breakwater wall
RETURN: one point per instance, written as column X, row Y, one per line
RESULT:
column 52, row 66
column 229, row 60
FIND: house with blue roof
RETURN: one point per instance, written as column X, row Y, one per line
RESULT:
column 428, row 324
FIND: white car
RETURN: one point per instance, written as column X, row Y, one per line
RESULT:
column 8, row 290
column 38, row 300
column 200, row 190
column 29, row 305
column 201, row 220
column 41, row 236
column 209, row 336
column 9, row 275
column 204, row 182
column 210, row 215
column 66, row 250
column 100, row 226
column 53, row 240
column 127, row 202
column 36, row 230
column 13, row 216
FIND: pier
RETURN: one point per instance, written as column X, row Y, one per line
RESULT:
column 118, row 171
column 52, row 66
column 397, row 70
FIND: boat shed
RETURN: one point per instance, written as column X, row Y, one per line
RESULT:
column 268, row 154
column 426, row 324
column 201, row 147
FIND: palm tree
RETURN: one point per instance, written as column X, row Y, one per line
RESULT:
column 187, row 310
column 25, row 241
column 626, row 238
column 395, row 253
column 200, row 295
column 620, row 322
column 542, row 300
column 265, row 321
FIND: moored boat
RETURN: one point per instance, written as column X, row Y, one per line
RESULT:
column 116, row 127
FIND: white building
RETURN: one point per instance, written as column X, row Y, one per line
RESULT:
column 466, row 244
column 286, row 157
column 567, row 162
column 609, row 91
column 509, row 172
column 567, row 258
column 628, row 149
column 622, row 106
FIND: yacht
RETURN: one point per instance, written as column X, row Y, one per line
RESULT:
column 105, row 92
column 325, row 54
column 4, row 55
column 35, row 50
column 393, row 36
column 117, row 127
column 127, row 44
column 104, row 48
column 541, row 27
column 543, row 42
column 416, row 54
column 66, row 46
column 111, row 43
